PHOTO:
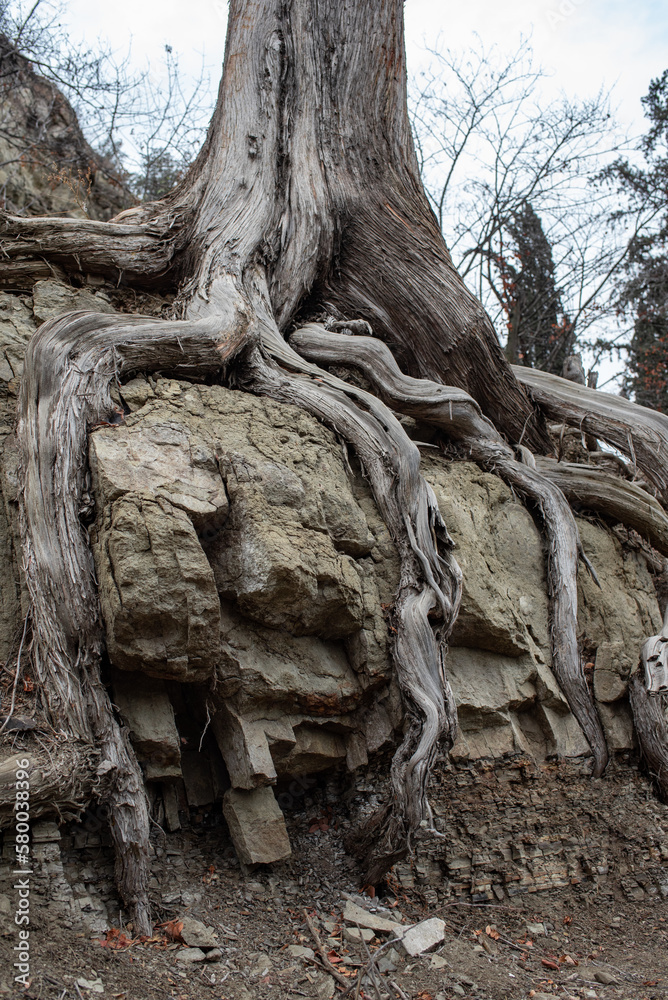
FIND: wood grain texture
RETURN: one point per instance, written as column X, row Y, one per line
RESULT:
column 305, row 198
column 616, row 499
column 459, row 416
column 639, row 432
column 69, row 367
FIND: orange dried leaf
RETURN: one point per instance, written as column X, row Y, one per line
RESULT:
column 172, row 929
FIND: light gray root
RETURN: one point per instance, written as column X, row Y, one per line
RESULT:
column 459, row 416
column 62, row 778
column 614, row 498
column 639, row 432
column 429, row 593
column 69, row 367
column 649, row 717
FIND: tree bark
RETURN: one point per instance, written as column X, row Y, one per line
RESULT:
column 639, row 432
column 305, row 198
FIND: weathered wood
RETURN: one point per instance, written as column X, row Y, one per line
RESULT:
column 649, row 717
column 69, row 367
column 294, row 205
column 459, row 416
column 429, row 593
column 639, row 432
column 610, row 496
column 62, row 779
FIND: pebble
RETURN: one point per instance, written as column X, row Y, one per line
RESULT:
column 198, row 935
column 423, row 936
column 190, row 955
column 94, row 985
column 299, row 951
column 214, row 955
column 606, row 978
column 354, row 914
column 438, row 962
column 357, row 936
column 535, row 930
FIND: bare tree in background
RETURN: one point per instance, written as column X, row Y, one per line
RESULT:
column 490, row 144
column 146, row 126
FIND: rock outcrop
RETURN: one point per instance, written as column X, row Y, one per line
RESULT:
column 244, row 575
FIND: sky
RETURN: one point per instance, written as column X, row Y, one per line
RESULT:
column 583, row 44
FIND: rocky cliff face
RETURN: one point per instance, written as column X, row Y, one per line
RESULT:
column 244, row 574
column 46, row 165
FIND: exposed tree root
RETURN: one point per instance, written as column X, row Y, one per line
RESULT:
column 614, row 498
column 649, row 717
column 648, row 695
column 636, row 430
column 427, row 601
column 62, row 776
column 459, row 416
column 125, row 252
column 294, row 204
column 69, row 367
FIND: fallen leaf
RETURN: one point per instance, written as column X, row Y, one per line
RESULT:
column 567, row 960
column 172, row 929
column 492, row 932
column 548, row 963
column 115, row 940
column 333, row 957
column 568, row 920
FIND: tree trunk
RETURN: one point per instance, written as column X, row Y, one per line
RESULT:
column 305, row 199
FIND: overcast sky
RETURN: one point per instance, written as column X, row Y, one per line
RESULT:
column 583, row 44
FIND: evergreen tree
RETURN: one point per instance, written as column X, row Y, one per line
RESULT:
column 645, row 294
column 539, row 333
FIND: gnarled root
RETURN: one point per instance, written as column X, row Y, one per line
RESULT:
column 636, row 430
column 69, row 366
column 649, row 718
column 459, row 416
column 429, row 591
column 648, row 694
column 62, row 776
column 614, row 498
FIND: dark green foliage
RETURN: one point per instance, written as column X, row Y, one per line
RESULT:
column 645, row 294
column 539, row 334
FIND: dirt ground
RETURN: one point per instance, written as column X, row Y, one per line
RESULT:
column 594, row 939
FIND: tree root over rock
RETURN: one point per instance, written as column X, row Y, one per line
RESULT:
column 287, row 212
column 458, row 415
column 69, row 367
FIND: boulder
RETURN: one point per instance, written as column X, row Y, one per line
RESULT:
column 145, row 708
column 157, row 591
column 256, row 826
